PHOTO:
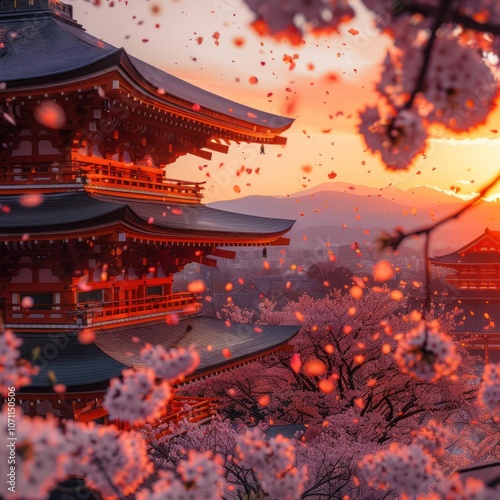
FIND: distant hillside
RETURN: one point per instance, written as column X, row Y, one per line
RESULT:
column 420, row 196
column 361, row 214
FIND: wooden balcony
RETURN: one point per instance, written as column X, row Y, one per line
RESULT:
column 99, row 316
column 192, row 409
column 99, row 176
column 476, row 282
column 104, row 176
column 20, row 180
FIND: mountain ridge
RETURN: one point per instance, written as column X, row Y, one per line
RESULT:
column 361, row 209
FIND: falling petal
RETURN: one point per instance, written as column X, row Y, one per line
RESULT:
column 86, row 336
column 49, row 114
column 295, row 363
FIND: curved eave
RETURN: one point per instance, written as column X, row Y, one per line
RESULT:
column 88, row 368
column 147, row 75
column 56, row 216
column 494, row 236
column 241, row 340
column 94, row 57
column 77, row 214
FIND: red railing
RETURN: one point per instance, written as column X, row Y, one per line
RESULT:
column 134, row 180
column 98, row 314
column 475, row 282
column 99, row 175
column 193, row 409
column 30, row 176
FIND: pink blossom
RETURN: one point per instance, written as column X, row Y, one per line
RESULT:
column 407, row 469
column 293, row 19
column 454, row 488
column 113, row 462
column 432, row 438
column 489, row 390
column 14, row 372
column 137, row 398
column 273, row 461
column 40, row 455
column 398, row 137
column 459, row 85
column 172, row 365
column 427, row 353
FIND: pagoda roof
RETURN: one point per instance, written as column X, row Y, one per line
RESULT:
column 480, row 310
column 64, row 213
column 468, row 258
column 471, row 253
column 477, row 317
column 42, row 50
column 488, row 473
column 77, row 365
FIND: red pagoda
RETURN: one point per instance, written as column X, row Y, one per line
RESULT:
column 475, row 291
column 91, row 229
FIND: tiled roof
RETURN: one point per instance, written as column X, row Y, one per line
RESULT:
column 203, row 331
column 488, row 473
column 465, row 251
column 43, row 49
column 479, row 314
column 79, row 366
column 478, row 317
column 67, row 211
column 70, row 362
column 468, row 258
column 44, row 46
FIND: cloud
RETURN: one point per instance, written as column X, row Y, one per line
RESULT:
column 491, row 141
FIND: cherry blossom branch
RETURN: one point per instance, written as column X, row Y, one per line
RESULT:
column 438, row 21
column 393, row 241
column 454, row 16
column 388, row 241
column 102, row 469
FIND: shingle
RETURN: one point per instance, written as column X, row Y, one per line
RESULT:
column 241, row 339
column 71, row 210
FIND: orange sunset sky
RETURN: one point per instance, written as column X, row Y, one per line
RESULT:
column 332, row 79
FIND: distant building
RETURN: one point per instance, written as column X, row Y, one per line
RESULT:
column 353, row 256
column 474, row 280
column 280, row 289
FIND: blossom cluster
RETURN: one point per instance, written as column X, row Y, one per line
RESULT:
column 399, row 137
column 437, row 71
column 200, row 478
column 403, row 468
column 136, row 398
column 40, row 454
column 172, row 365
column 427, row 353
column 489, row 390
column 112, row 461
column 432, row 438
column 14, row 372
column 290, row 19
column 273, row 461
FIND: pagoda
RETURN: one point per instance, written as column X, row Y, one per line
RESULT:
column 476, row 265
column 474, row 281
column 91, row 228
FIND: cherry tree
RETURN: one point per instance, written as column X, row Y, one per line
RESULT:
column 364, row 374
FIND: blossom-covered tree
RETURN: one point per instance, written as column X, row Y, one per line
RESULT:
column 361, row 376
